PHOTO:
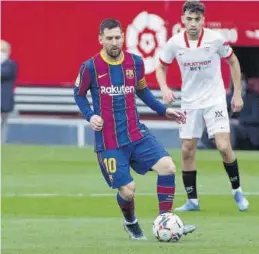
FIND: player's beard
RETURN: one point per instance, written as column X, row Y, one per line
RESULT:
column 114, row 52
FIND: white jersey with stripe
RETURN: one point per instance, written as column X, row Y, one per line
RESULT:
column 200, row 66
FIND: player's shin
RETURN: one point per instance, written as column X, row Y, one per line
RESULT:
column 233, row 173
column 165, row 192
column 127, row 209
column 189, row 180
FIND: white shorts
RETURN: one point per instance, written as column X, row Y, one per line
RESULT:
column 215, row 118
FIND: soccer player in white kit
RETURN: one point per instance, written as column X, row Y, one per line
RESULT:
column 198, row 51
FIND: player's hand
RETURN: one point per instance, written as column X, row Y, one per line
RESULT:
column 237, row 102
column 176, row 115
column 168, row 96
column 96, row 123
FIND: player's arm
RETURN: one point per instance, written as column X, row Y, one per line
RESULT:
column 235, row 73
column 237, row 101
column 82, row 85
column 144, row 93
column 225, row 51
column 166, row 57
column 161, row 71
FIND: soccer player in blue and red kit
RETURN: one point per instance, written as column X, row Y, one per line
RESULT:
column 114, row 77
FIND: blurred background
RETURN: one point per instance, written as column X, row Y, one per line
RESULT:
column 48, row 41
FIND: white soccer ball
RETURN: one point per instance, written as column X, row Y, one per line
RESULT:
column 168, row 227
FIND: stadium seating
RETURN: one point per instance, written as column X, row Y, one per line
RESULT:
column 59, row 100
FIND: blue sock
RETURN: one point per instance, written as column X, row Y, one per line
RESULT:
column 165, row 192
column 127, row 208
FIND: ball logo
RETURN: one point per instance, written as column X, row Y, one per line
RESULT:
column 145, row 37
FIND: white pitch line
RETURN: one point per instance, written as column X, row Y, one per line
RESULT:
column 111, row 194
column 67, row 219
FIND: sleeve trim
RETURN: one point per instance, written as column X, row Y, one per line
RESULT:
column 227, row 57
column 141, row 84
column 164, row 63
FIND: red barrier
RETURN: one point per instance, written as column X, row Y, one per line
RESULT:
column 50, row 39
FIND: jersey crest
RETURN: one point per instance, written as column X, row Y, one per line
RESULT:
column 129, row 74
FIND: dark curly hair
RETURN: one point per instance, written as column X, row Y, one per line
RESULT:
column 193, row 6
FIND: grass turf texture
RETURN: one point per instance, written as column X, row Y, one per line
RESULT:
column 55, row 200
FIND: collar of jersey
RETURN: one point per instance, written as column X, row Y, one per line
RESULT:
column 112, row 62
column 198, row 41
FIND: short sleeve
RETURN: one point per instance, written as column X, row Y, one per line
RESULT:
column 224, row 49
column 168, row 53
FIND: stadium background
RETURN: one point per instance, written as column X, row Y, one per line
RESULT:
column 51, row 39
column 54, row 199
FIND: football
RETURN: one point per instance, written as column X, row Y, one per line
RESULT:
column 168, row 227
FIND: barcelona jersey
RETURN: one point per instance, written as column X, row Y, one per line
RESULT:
column 113, row 86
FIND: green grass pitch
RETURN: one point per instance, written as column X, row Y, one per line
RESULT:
column 55, row 201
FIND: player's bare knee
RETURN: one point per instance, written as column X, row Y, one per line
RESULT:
column 132, row 186
column 126, row 194
column 224, row 147
column 165, row 166
column 127, row 191
column 171, row 169
column 188, row 151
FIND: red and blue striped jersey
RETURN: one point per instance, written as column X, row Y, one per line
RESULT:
column 113, row 88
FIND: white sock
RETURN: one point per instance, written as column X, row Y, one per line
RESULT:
column 130, row 223
column 194, row 201
column 239, row 189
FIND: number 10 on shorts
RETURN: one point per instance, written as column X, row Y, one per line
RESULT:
column 110, row 165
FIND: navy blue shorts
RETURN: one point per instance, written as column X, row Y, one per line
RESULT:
column 140, row 155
